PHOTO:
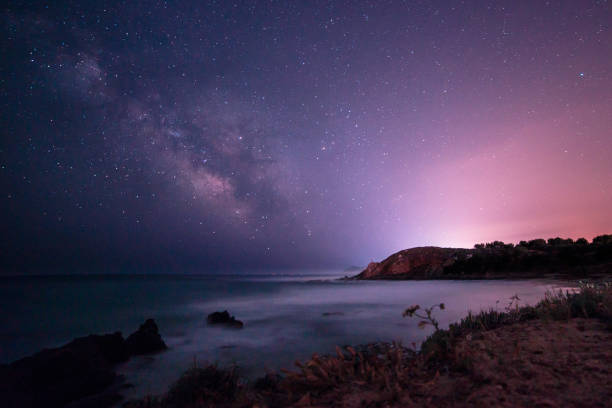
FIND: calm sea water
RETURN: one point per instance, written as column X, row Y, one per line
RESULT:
column 283, row 315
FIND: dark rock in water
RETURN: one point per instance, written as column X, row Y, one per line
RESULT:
column 146, row 339
column 56, row 377
column 80, row 374
column 219, row 317
column 224, row 319
column 326, row 314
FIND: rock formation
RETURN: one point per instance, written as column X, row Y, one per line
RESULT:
column 146, row 339
column 78, row 374
column 414, row 263
column 224, row 319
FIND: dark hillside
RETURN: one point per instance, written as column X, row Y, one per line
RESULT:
column 535, row 258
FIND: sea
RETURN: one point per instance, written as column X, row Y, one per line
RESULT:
column 287, row 316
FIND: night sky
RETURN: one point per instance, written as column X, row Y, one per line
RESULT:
column 218, row 135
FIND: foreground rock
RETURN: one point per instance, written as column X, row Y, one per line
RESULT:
column 146, row 339
column 224, row 319
column 55, row 377
column 78, row 374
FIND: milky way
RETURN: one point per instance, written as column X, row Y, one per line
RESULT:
column 222, row 136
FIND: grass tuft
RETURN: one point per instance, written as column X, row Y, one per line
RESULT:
column 197, row 388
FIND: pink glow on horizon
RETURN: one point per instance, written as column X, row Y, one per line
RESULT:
column 540, row 180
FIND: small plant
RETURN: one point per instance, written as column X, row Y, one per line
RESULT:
column 513, row 305
column 427, row 318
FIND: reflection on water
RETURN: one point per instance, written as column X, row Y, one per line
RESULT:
column 286, row 317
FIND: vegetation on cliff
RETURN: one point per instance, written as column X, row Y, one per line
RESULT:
column 535, row 258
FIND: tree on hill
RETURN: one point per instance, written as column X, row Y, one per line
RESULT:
column 536, row 244
column 603, row 240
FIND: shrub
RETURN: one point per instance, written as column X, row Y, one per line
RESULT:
column 207, row 384
column 197, row 388
column 603, row 240
column 592, row 300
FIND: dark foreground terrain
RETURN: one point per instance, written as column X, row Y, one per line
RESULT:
column 78, row 374
column 557, row 353
column 537, row 258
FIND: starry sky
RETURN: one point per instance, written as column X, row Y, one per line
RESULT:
column 167, row 136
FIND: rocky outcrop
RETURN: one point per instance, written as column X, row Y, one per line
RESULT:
column 55, row 377
column 415, row 263
column 224, row 319
column 146, row 339
column 78, row 374
column 497, row 260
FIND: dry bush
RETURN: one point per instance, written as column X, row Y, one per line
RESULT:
column 381, row 368
column 199, row 388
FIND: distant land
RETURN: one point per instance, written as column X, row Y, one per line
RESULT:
column 538, row 258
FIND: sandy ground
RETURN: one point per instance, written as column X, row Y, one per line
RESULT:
column 534, row 364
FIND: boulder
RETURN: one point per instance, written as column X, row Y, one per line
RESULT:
column 146, row 339
column 224, row 319
column 77, row 375
column 55, row 377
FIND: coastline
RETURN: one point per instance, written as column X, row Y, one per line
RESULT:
column 556, row 353
column 492, row 277
column 309, row 382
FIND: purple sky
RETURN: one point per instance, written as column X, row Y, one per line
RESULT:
column 212, row 136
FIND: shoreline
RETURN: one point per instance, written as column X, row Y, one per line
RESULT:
column 495, row 277
column 493, row 358
column 371, row 350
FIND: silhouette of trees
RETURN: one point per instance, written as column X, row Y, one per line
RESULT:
column 536, row 244
column 542, row 256
column 602, row 240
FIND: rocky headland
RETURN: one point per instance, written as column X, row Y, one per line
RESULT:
column 414, row 263
column 528, row 259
